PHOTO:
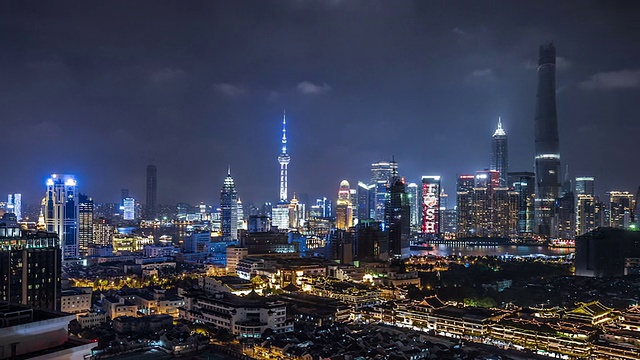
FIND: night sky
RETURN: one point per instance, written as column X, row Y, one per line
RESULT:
column 100, row 89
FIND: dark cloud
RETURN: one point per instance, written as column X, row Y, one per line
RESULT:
column 612, row 80
column 100, row 89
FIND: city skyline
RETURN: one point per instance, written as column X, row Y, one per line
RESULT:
column 397, row 82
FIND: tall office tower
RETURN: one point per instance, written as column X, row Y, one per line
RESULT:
column 489, row 179
column 464, row 192
column 430, row 209
column 381, row 173
column 30, row 265
column 505, row 212
column 397, row 222
column 296, row 213
column 152, row 192
column 444, row 202
column 281, row 210
column 61, row 212
column 565, row 215
column 85, row 223
column 621, row 204
column 344, row 216
column 241, row 221
column 524, row 183
column 585, row 185
column 547, row 145
column 229, row 209
column 14, row 205
column 585, row 214
column 481, row 212
column 129, row 209
column 415, row 200
column 370, row 241
column 500, row 154
column 353, row 198
column 366, row 201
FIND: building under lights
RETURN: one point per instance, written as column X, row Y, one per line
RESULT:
column 430, row 205
column 229, row 209
column 381, row 174
column 524, row 184
column 60, row 210
column 85, row 223
column 30, row 266
column 280, row 213
column 14, row 205
column 621, row 204
column 500, row 154
column 344, row 209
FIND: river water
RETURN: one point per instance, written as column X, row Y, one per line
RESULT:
column 492, row 250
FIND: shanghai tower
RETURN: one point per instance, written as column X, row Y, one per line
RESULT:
column 547, row 149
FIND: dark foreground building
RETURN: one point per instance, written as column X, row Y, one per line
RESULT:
column 607, row 252
column 30, row 266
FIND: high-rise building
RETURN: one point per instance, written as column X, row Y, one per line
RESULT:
column 229, row 209
column 430, row 209
column 281, row 211
column 585, row 214
column 152, row 192
column 621, row 204
column 500, row 154
column 464, row 192
column 481, row 212
column 85, row 223
column 30, row 265
column 444, row 202
column 366, row 201
column 14, row 205
column 344, row 216
column 381, row 173
column 547, row 144
column 60, row 210
column 129, row 209
column 505, row 212
column 397, row 222
column 524, row 183
column 585, row 185
column 415, row 201
column 565, row 216
column 370, row 241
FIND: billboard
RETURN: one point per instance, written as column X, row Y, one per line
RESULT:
column 431, row 205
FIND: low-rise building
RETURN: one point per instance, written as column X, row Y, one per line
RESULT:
column 91, row 319
column 75, row 300
column 247, row 316
column 117, row 306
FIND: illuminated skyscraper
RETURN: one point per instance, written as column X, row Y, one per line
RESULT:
column 14, row 205
column 85, row 223
column 366, row 201
column 547, row 145
column 523, row 183
column 500, row 154
column 61, row 212
column 585, row 214
column 229, row 209
column 397, row 222
column 430, row 196
column 129, row 209
column 585, row 185
column 381, row 173
column 621, row 204
column 344, row 216
column 30, row 266
column 505, row 213
column 414, row 202
column 464, row 201
column 152, row 191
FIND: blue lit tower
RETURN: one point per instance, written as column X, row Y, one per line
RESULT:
column 229, row 209
column 283, row 159
column 500, row 154
column 547, row 144
column 280, row 213
column 60, row 209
